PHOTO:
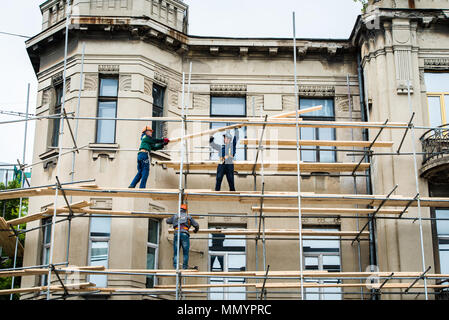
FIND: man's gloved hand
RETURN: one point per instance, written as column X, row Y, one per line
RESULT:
column 211, row 139
column 166, row 140
column 196, row 230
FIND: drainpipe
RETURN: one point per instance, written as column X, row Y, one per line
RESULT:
column 369, row 186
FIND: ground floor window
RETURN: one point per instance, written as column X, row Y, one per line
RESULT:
column 227, row 253
column 322, row 254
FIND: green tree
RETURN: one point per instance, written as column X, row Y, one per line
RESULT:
column 364, row 4
column 10, row 210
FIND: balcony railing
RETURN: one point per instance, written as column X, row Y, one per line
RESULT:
column 435, row 143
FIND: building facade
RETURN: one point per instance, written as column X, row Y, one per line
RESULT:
column 135, row 54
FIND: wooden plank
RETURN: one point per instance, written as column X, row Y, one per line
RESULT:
column 293, row 113
column 243, row 122
column 280, row 232
column 249, row 196
column 288, row 166
column 8, row 240
column 328, row 211
column 324, row 143
column 69, row 287
column 291, row 285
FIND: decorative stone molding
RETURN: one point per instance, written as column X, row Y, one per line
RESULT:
column 125, row 82
column 90, row 81
column 160, row 78
column 342, row 103
column 288, row 102
column 50, row 158
column 101, row 203
column 148, row 87
column 201, row 101
column 57, row 79
column 228, row 89
column 109, row 68
column 107, row 150
column 46, row 96
column 173, row 98
column 316, row 91
column 436, row 64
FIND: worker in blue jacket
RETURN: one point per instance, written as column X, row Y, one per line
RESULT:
column 182, row 225
column 227, row 154
column 147, row 144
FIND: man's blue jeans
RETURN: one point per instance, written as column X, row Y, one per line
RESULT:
column 143, row 170
column 185, row 244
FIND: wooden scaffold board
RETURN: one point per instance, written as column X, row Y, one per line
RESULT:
column 323, row 143
column 281, row 166
column 8, row 240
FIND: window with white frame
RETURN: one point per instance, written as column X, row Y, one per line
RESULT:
column 442, row 228
column 318, row 153
column 227, row 107
column 152, row 250
column 99, row 237
column 46, row 242
column 107, row 108
column 227, row 253
column 322, row 253
column 437, row 85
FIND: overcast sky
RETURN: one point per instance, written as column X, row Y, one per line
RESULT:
column 232, row 18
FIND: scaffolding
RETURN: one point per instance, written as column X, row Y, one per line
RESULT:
column 295, row 281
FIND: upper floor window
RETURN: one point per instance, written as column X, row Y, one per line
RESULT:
column 55, row 122
column 158, row 110
column 226, row 107
column 317, row 153
column 437, row 84
column 107, row 108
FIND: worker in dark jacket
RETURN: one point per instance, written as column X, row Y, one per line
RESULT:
column 147, row 144
column 227, row 154
column 184, row 223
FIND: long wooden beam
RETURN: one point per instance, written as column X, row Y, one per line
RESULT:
column 293, row 113
column 291, row 285
column 284, row 166
column 8, row 240
column 69, row 287
column 243, row 196
column 324, row 143
column 278, row 232
column 245, row 122
column 328, row 211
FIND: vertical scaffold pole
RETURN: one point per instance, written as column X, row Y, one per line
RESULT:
column 415, row 165
column 298, row 159
column 61, row 133
column 77, row 114
column 22, row 181
column 181, row 190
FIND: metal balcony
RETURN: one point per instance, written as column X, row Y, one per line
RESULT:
column 435, row 147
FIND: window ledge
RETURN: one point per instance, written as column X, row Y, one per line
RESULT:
column 107, row 150
column 160, row 155
column 50, row 157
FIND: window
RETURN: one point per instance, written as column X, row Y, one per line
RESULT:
column 56, row 121
column 227, row 253
column 437, row 85
column 107, row 108
column 322, row 255
column 317, row 153
column 225, row 107
column 100, row 231
column 46, row 239
column 152, row 250
column 158, row 110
